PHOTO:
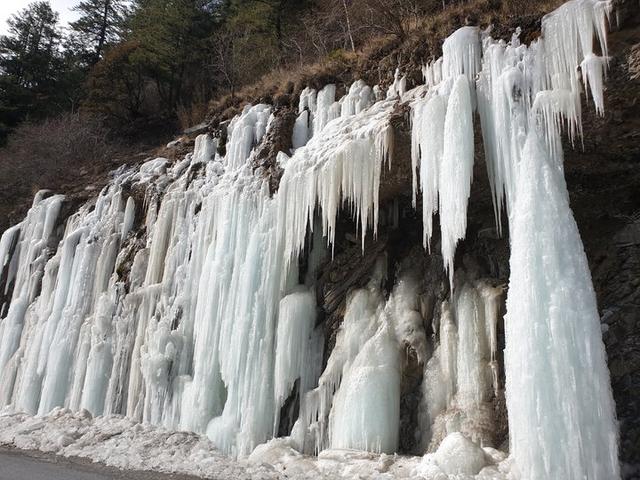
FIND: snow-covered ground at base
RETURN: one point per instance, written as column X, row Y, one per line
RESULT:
column 119, row 442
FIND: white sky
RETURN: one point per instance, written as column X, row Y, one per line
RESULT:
column 8, row 7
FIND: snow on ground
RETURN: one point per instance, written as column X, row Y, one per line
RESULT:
column 119, row 442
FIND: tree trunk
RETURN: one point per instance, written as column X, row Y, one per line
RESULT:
column 346, row 14
column 103, row 30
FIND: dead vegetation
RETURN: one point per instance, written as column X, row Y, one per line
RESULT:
column 71, row 153
column 406, row 39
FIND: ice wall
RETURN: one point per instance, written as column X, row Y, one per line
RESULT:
column 180, row 304
column 174, row 298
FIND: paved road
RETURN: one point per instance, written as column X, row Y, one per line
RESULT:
column 17, row 465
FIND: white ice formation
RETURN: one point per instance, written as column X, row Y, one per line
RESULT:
column 175, row 298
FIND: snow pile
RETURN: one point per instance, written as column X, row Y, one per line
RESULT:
column 458, row 455
column 120, row 442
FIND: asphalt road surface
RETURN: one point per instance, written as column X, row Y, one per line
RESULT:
column 19, row 465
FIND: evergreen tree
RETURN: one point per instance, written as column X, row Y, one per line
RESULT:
column 101, row 24
column 30, row 66
column 30, row 51
column 171, row 38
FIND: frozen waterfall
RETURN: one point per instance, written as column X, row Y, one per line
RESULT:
column 186, row 294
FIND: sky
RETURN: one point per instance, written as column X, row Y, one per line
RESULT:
column 8, row 7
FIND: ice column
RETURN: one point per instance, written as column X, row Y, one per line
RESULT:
column 561, row 412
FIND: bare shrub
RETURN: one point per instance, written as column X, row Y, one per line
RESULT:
column 191, row 115
column 64, row 154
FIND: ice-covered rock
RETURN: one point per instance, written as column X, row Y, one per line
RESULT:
column 459, row 455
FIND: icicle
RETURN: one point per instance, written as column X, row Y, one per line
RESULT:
column 301, row 130
column 27, row 246
column 129, row 218
column 398, row 88
column 341, row 164
column 245, row 131
column 359, row 97
column 432, row 72
column 456, row 171
column 359, row 326
column 593, row 77
column 324, row 112
column 492, row 299
column 427, row 148
column 461, row 54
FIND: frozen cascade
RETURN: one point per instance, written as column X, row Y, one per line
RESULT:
column 461, row 54
column 364, row 370
column 24, row 250
column 553, row 336
column 294, row 342
column 370, row 389
column 312, row 431
column 126, row 324
column 459, row 376
column 174, row 298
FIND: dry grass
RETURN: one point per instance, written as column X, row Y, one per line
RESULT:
column 376, row 61
column 191, row 115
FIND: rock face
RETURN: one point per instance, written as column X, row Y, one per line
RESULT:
column 278, row 140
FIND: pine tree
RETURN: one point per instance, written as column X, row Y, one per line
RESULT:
column 171, row 36
column 30, row 66
column 30, row 50
column 101, row 24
